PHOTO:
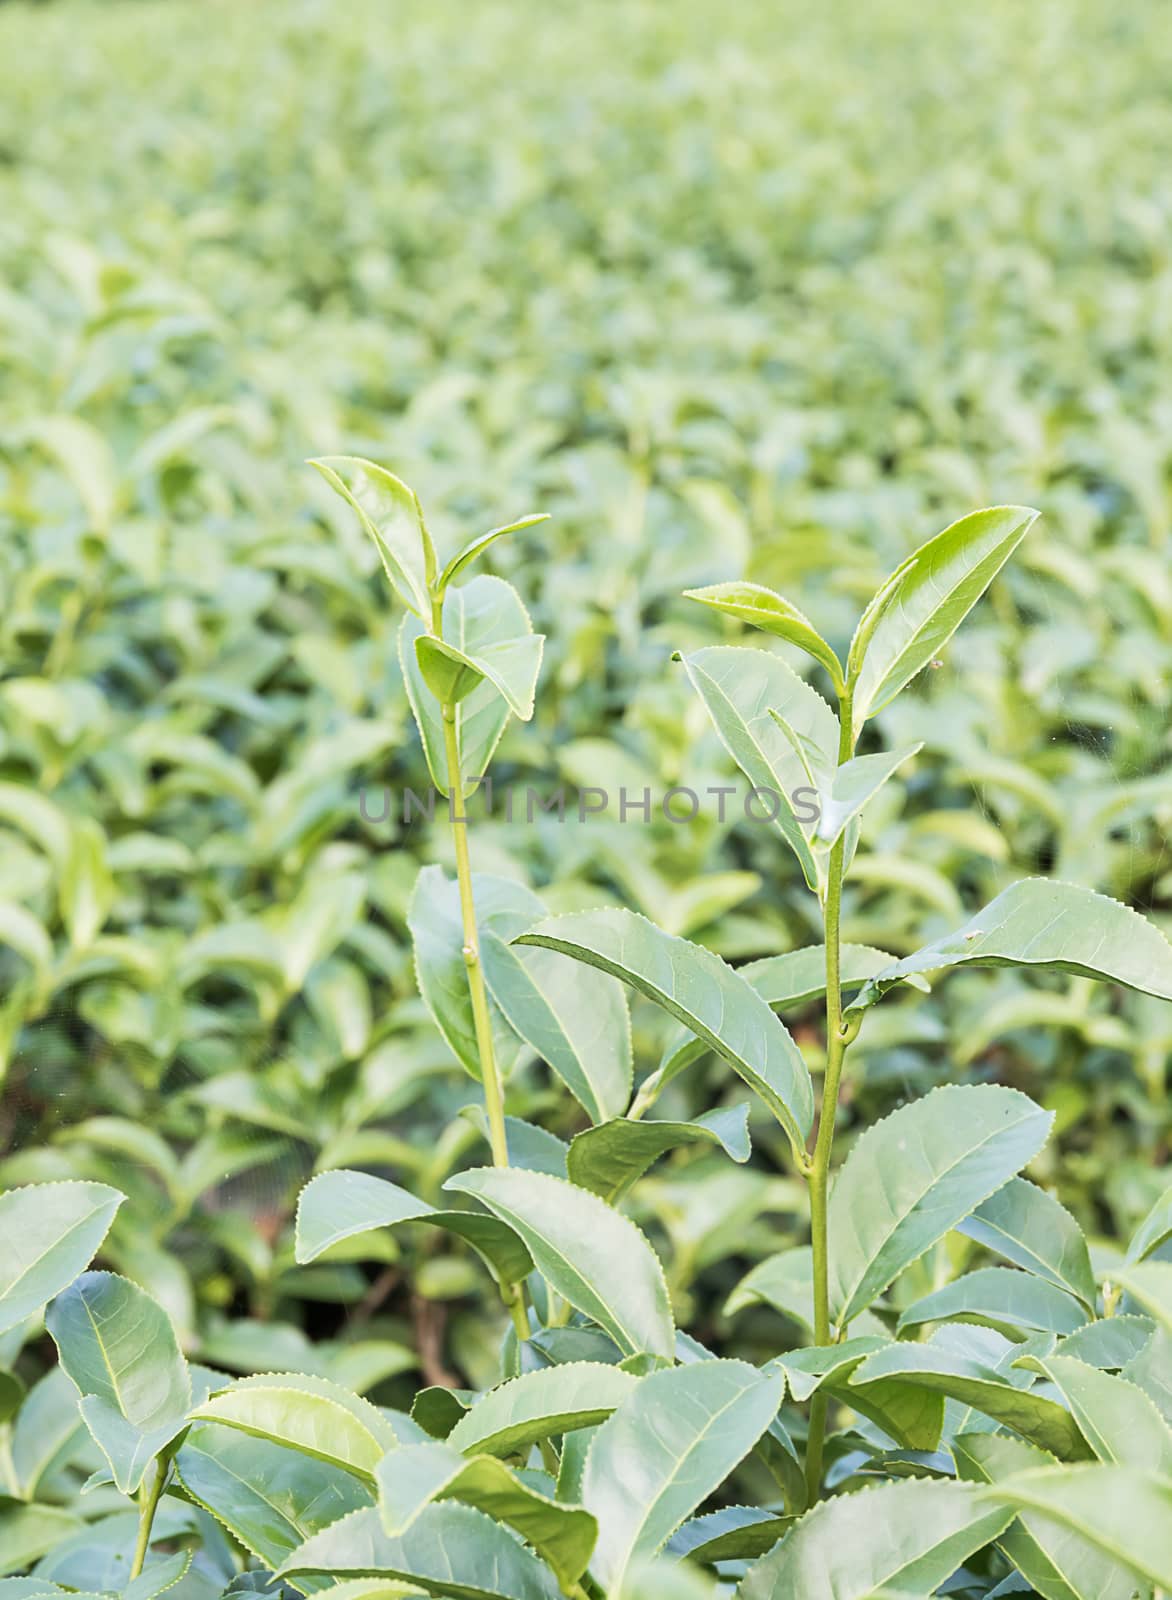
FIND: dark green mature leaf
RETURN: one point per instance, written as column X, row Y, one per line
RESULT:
column 762, row 608
column 1056, row 927
column 1004, row 1299
column 269, row 1497
column 575, row 1019
column 792, row 979
column 390, row 513
column 449, row 1550
column 418, row 1475
column 700, row 991
column 911, row 1415
column 915, row 1175
column 29, row 1532
column 734, row 1533
column 12, row 1392
column 924, row 601
column 476, row 547
column 964, row 1372
column 119, row 1348
column 1056, row 1560
column 1118, row 1421
column 1122, row 1511
column 1150, row 1369
column 504, row 909
column 908, row 1535
column 50, row 1232
column 609, row 1158
column 668, row 1446
column 592, row 1255
column 740, row 689
column 1110, row 1343
column 341, row 1205
column 539, row 1405
column 48, row 1430
column 1155, row 1228
column 1034, row 1230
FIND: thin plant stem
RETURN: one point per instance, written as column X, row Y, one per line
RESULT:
column 494, row 1100
column 839, row 1036
column 148, row 1501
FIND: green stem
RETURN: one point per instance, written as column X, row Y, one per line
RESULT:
column 839, row 1035
column 148, row 1501
column 513, row 1295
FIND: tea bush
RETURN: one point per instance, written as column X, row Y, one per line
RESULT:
column 767, row 307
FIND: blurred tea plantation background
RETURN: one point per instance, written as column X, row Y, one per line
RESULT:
column 770, row 291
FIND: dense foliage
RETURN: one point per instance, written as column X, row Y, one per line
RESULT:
column 773, row 306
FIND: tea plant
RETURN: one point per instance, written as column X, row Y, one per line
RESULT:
column 1022, row 1445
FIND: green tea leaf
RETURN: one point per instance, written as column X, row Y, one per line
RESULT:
column 762, row 608
column 510, row 665
column 1056, row 927
column 540, row 1405
column 703, row 993
column 1149, row 1283
column 476, row 547
column 667, row 1447
column 734, row 1533
column 449, row 1550
column 1117, row 1420
column 911, row 1536
column 1055, row 1559
column 315, row 1424
column 1032, row 1229
column 51, row 1231
column 341, row 1205
column 29, row 1532
column 609, row 1158
column 742, row 689
column 1002, row 1298
column 391, row 514
column 418, row 1475
column 575, row 1019
column 947, row 1367
column 1155, row 1228
column 925, row 600
column 119, row 1348
column 270, row 1498
column 918, row 1173
column 1122, row 1511
column 590, row 1254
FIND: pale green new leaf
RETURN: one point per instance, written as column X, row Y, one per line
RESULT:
column 271, row 1498
column 510, row 665
column 852, row 785
column 1118, row 1421
column 1055, row 927
column 911, row 1536
column 763, row 608
column 609, row 1158
column 476, row 547
column 390, row 513
column 741, row 688
column 666, row 1448
column 415, row 1476
column 703, row 993
column 1056, row 1560
column 1029, row 1227
column 315, row 1424
column 1003, row 1298
column 120, row 1350
column 1122, row 1511
column 589, row 1253
column 915, row 1175
column 539, row 1405
column 450, row 1550
column 341, row 1205
column 575, row 1018
column 50, row 1233
column 924, row 601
